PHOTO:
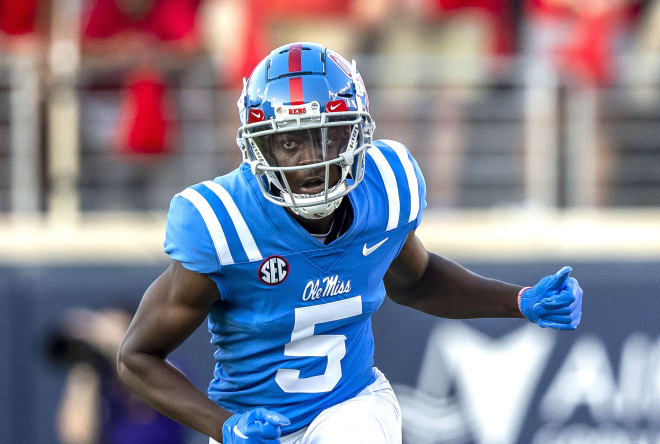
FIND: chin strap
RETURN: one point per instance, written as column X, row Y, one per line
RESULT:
column 317, row 211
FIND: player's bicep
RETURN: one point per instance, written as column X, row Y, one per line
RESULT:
column 409, row 266
column 171, row 309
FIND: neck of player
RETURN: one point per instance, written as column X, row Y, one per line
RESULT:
column 315, row 226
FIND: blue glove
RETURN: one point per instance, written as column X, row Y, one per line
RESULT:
column 259, row 426
column 556, row 301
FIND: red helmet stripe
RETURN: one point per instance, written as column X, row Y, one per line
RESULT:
column 296, row 90
column 295, row 58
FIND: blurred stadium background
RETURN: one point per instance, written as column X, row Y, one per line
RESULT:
column 536, row 123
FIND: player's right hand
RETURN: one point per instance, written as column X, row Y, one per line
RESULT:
column 258, row 426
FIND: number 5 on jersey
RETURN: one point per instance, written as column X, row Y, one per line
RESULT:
column 305, row 343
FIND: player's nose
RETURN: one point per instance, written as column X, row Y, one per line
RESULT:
column 312, row 153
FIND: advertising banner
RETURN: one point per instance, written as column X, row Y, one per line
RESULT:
column 509, row 381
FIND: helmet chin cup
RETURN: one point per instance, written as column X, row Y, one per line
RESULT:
column 315, row 206
column 317, row 211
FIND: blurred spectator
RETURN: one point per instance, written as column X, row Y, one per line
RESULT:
column 578, row 38
column 23, row 24
column 126, row 26
column 496, row 14
column 145, row 118
column 647, row 51
column 95, row 406
column 346, row 26
column 573, row 46
column 132, row 54
column 235, row 32
column 149, row 37
column 18, row 18
column 468, row 32
column 241, row 32
column 447, row 45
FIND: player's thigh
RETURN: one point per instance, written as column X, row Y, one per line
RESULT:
column 369, row 418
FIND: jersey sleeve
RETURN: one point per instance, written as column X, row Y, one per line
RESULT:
column 406, row 183
column 187, row 238
column 421, row 190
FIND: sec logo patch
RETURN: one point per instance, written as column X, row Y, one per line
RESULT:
column 273, row 270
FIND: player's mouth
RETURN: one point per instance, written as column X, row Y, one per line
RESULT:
column 312, row 185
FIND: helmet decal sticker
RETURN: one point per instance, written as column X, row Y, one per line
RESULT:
column 341, row 62
column 255, row 115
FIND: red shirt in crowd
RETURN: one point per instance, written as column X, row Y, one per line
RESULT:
column 589, row 54
column 497, row 11
column 166, row 19
column 18, row 17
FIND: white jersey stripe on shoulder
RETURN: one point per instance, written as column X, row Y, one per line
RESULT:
column 212, row 224
column 244, row 234
column 390, row 187
column 408, row 167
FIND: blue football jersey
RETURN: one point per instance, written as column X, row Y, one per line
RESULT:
column 293, row 326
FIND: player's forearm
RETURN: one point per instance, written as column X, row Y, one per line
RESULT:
column 448, row 290
column 166, row 389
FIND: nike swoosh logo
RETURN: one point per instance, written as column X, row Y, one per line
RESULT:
column 257, row 115
column 332, row 108
column 366, row 251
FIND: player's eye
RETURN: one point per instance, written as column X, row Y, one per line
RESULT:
column 289, row 144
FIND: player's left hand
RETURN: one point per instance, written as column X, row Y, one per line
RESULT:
column 258, row 426
column 555, row 301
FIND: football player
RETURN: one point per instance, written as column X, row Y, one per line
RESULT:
column 289, row 255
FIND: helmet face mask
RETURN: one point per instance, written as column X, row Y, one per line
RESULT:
column 306, row 155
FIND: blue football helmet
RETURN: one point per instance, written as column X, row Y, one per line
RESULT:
column 306, row 90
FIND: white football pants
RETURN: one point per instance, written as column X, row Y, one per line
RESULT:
column 373, row 416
